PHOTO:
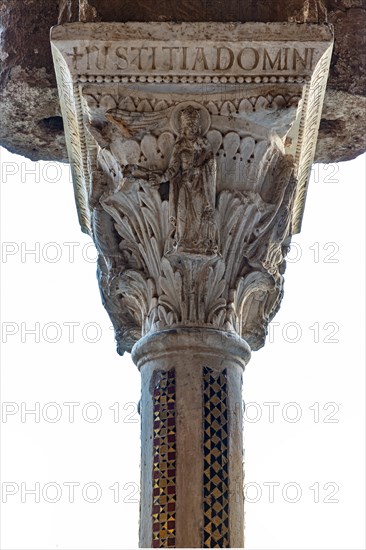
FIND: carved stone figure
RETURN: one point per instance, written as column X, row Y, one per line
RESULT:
column 192, row 177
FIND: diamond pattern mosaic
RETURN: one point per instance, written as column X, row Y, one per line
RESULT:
column 164, row 462
column 216, row 463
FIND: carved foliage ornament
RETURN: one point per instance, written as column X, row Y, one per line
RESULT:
column 180, row 252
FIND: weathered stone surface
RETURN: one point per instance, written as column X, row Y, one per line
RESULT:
column 342, row 127
column 341, row 134
column 348, row 71
column 201, row 10
column 30, row 116
column 30, row 108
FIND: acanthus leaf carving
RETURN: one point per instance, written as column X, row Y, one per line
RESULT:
column 252, row 305
column 190, row 253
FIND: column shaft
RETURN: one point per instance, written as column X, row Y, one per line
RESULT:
column 192, row 449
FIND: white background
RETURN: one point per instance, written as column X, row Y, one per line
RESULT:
column 313, row 375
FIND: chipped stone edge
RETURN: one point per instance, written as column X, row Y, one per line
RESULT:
column 309, row 126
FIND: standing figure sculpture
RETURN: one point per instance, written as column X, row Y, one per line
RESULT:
column 192, row 191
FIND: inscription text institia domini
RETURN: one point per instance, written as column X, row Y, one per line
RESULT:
column 160, row 57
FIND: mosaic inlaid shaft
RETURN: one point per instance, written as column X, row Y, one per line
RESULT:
column 192, row 448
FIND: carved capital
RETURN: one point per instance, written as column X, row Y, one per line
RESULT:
column 191, row 151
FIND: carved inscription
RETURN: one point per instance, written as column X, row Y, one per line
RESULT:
column 191, row 59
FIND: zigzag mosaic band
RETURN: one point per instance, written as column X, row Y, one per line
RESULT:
column 164, row 462
column 216, row 460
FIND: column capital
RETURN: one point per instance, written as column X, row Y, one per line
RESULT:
column 191, row 148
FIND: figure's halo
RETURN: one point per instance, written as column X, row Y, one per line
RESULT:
column 205, row 116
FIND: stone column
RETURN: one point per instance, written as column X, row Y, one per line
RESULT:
column 191, row 148
column 192, row 443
